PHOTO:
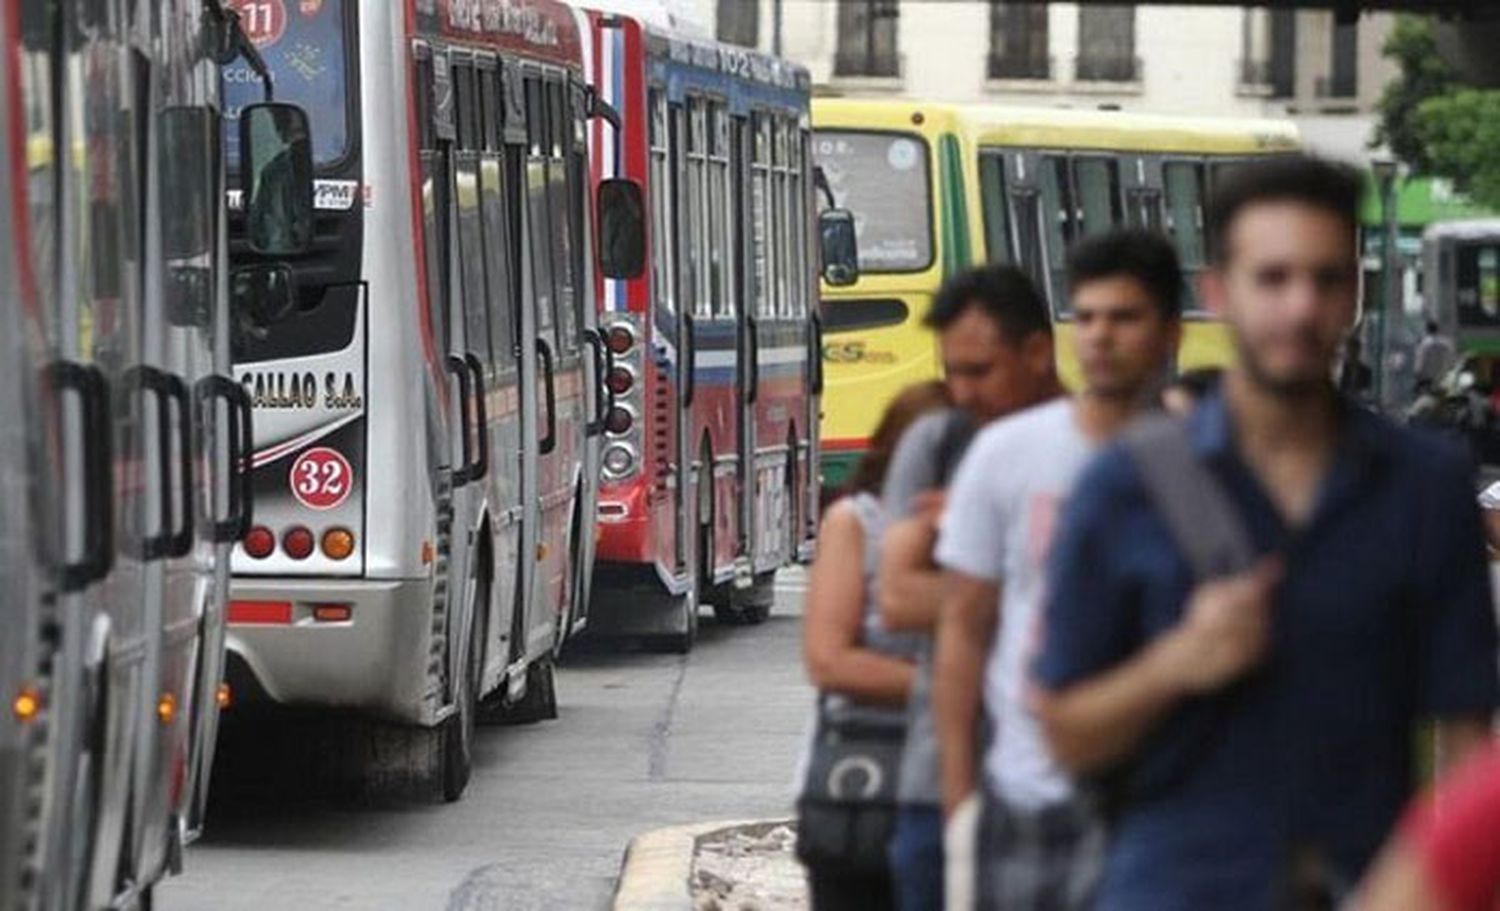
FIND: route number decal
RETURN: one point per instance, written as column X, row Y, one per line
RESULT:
column 264, row 21
column 321, row 478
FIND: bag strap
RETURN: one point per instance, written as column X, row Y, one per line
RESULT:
column 958, row 432
column 1203, row 521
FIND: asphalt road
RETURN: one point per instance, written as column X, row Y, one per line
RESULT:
column 643, row 741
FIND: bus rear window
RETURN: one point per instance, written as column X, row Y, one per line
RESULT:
column 1478, row 285
column 303, row 44
column 883, row 178
column 851, row 315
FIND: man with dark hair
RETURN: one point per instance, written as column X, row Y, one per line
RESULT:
column 996, row 340
column 1040, row 843
column 1256, row 728
column 1434, row 357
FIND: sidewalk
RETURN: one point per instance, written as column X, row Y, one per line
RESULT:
column 715, row 866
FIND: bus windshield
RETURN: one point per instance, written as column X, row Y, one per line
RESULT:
column 303, row 45
column 883, row 179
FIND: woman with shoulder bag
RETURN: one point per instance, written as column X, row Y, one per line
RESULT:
column 847, row 807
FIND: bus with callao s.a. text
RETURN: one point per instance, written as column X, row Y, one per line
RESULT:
column 425, row 409
column 707, row 294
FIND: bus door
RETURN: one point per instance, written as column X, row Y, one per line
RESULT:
column 684, row 453
column 746, row 289
column 571, row 401
column 459, row 455
column 813, row 414
column 500, row 212
column 581, row 208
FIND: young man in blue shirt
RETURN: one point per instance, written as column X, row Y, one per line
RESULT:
column 1256, row 731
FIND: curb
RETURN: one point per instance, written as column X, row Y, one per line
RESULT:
column 658, row 867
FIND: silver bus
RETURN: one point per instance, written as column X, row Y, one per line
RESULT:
column 133, row 434
column 425, row 409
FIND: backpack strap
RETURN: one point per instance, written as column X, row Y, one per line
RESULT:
column 958, row 432
column 1204, row 523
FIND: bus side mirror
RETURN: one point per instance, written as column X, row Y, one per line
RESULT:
column 840, row 247
column 622, row 229
column 276, row 164
column 262, row 295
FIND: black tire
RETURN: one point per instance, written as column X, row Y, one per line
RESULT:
column 540, row 701
column 750, row 606
column 682, row 643
column 458, row 730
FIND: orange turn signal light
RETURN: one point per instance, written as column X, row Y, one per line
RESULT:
column 332, row 613
column 27, row 705
column 166, row 708
column 225, row 696
column 338, row 543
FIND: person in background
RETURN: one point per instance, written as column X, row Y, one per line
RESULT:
column 1189, row 388
column 996, row 338
column 1041, row 842
column 849, row 656
column 1446, row 854
column 1258, row 728
column 1489, row 507
column 1434, row 357
column 1356, row 379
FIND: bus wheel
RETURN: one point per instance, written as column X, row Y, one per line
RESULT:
column 750, row 606
column 540, row 701
column 458, row 730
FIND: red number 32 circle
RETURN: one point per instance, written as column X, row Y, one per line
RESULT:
column 321, row 478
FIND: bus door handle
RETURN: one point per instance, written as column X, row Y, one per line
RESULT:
column 89, row 384
column 604, row 398
column 481, row 467
column 752, row 359
column 688, row 351
column 214, row 388
column 815, row 356
column 548, row 442
column 168, row 390
column 460, row 370
column 181, row 542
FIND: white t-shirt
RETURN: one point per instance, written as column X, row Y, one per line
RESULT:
column 1002, row 508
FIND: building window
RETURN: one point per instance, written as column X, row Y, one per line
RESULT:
column 1343, row 71
column 739, row 22
column 1282, row 56
column 1018, row 41
column 867, row 38
column 1106, row 43
column 1255, row 39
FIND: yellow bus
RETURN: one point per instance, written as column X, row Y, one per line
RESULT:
column 899, row 167
column 1046, row 178
column 935, row 188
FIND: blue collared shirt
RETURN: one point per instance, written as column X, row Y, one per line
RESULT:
column 1383, row 617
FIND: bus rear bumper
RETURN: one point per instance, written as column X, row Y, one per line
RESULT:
column 378, row 662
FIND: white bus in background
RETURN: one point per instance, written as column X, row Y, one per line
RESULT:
column 125, row 433
column 423, row 410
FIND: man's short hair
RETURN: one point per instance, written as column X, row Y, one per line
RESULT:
column 1145, row 256
column 1334, row 187
column 1003, row 293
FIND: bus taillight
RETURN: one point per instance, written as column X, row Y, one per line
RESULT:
column 338, row 543
column 620, row 338
column 259, row 542
column 620, row 379
column 619, row 420
column 297, row 542
column 619, row 461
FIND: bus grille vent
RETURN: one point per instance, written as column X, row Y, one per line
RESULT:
column 438, row 649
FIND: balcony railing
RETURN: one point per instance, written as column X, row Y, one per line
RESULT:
column 1006, row 66
column 1108, row 69
column 861, row 65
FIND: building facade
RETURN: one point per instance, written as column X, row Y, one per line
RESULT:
column 1206, row 60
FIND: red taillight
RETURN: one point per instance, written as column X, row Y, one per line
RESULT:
column 619, row 420
column 297, row 542
column 259, row 542
column 620, row 380
column 619, row 339
column 260, row 612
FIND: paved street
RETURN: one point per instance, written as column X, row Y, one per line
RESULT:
column 644, row 741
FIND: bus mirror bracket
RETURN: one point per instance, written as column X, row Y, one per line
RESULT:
column 622, row 228
column 840, row 247
column 262, row 295
column 277, row 173
column 598, row 107
column 230, row 42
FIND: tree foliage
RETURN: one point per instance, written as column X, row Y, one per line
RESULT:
column 1460, row 132
column 1424, row 75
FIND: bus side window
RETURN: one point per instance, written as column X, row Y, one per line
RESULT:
column 434, row 194
column 695, row 224
column 496, row 198
column 560, row 239
column 538, row 228
column 680, row 223
column 1097, row 185
column 1058, row 212
column 720, row 213
column 661, row 249
column 1184, row 188
column 471, row 241
column 992, row 188
column 760, row 215
column 797, row 213
column 779, row 217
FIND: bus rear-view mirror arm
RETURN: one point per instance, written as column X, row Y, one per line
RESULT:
column 598, row 107
column 231, row 42
column 820, row 183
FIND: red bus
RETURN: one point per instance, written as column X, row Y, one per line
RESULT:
column 709, row 315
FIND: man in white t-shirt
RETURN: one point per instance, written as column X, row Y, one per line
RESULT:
column 1040, row 844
